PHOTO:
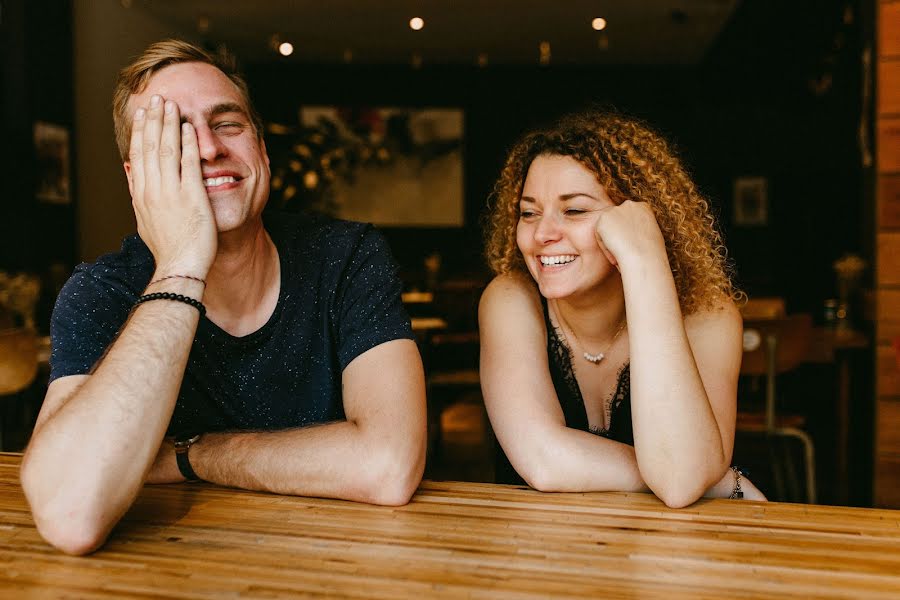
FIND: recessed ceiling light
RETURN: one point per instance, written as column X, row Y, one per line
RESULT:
column 416, row 23
column 598, row 24
column 286, row 48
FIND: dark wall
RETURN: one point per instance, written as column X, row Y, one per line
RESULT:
column 748, row 110
column 36, row 55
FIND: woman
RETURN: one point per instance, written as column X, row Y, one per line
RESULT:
column 611, row 343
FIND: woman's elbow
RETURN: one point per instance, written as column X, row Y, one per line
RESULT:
column 678, row 498
column 679, row 491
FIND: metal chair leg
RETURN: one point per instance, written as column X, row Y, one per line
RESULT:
column 809, row 459
column 775, row 464
column 792, row 480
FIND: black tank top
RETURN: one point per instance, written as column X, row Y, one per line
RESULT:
column 562, row 374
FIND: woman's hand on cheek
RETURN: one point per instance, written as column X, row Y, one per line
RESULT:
column 629, row 232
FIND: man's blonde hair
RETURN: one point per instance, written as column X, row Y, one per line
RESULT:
column 134, row 78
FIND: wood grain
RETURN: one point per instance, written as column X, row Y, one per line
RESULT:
column 457, row 540
column 889, row 145
column 889, row 29
column 888, row 433
column 887, row 480
column 888, row 376
column 889, row 87
column 888, row 259
column 889, row 202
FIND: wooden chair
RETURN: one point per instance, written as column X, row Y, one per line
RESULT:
column 763, row 307
column 773, row 346
column 18, row 365
column 451, row 356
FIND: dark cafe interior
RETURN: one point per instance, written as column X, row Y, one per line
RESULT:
column 400, row 114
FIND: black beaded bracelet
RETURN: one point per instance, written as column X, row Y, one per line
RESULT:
column 171, row 296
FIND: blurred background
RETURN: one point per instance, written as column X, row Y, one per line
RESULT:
column 400, row 113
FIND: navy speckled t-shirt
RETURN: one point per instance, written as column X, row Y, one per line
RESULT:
column 339, row 297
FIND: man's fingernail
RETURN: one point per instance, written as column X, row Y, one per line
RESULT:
column 139, row 114
column 154, row 101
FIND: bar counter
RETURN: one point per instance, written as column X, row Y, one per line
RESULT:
column 456, row 540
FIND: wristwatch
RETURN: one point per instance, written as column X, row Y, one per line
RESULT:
column 181, row 457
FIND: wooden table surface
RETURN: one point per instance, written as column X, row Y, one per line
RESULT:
column 456, row 540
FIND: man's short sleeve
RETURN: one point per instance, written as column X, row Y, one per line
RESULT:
column 369, row 308
column 86, row 319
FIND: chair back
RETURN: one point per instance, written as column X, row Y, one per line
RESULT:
column 782, row 341
column 774, row 346
column 18, row 359
column 764, row 307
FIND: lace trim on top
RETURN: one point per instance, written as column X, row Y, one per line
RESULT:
column 563, row 357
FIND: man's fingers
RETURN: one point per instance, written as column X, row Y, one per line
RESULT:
column 191, row 174
column 150, row 146
column 170, row 147
column 136, row 153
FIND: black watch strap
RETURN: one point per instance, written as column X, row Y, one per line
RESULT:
column 181, row 457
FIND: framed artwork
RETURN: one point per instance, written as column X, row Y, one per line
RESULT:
column 391, row 166
column 51, row 147
column 751, row 202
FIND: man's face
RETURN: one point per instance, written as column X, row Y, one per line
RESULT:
column 233, row 159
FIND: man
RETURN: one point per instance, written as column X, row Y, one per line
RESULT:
column 303, row 325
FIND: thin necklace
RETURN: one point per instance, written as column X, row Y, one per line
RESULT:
column 591, row 358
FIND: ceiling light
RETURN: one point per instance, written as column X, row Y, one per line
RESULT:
column 545, row 53
column 286, row 48
column 416, row 23
column 482, row 60
column 598, row 24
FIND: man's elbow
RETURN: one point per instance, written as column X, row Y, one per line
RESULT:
column 60, row 521
column 73, row 536
column 396, row 478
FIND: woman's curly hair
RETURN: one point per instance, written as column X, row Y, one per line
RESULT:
column 631, row 162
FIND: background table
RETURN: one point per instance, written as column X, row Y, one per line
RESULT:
column 457, row 540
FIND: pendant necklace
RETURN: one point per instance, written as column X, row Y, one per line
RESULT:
column 591, row 358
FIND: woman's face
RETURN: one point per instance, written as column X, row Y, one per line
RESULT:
column 558, row 213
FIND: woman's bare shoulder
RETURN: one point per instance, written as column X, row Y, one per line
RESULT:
column 512, row 287
column 722, row 319
column 510, row 297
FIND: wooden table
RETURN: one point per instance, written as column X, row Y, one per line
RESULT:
column 456, row 540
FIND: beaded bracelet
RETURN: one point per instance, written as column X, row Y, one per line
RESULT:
column 170, row 296
column 736, row 493
column 191, row 277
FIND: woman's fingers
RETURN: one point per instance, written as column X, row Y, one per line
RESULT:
column 599, row 236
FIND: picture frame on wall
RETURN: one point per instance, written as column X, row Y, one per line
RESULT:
column 407, row 163
column 51, row 147
column 751, row 202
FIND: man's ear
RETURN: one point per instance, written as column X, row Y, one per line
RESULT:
column 127, row 166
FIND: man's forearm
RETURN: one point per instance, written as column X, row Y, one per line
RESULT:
column 87, row 460
column 334, row 460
